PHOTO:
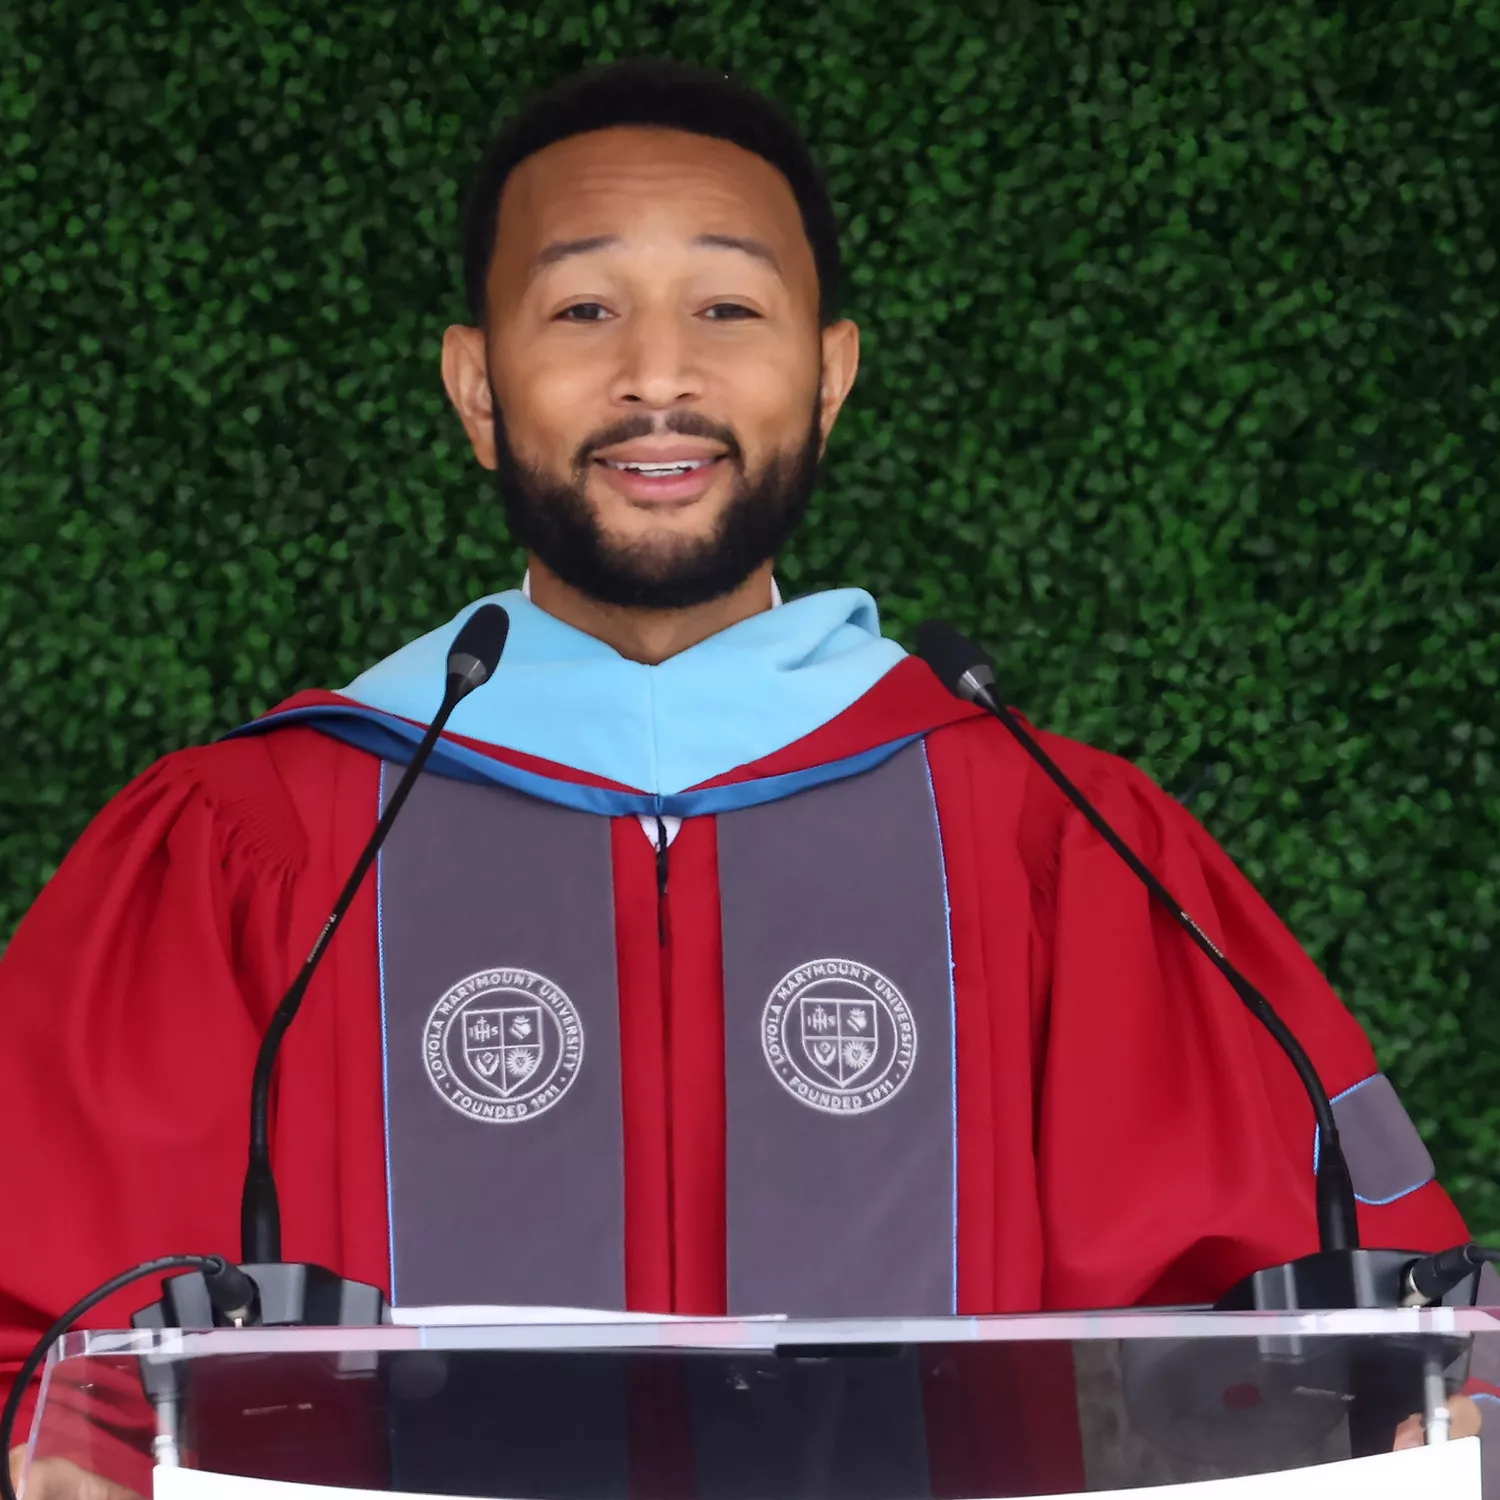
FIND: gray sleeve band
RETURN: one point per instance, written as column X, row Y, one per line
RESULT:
column 1387, row 1159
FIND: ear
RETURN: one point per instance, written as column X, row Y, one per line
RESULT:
column 840, row 364
column 466, row 375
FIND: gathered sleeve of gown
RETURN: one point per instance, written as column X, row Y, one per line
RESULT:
column 132, row 1000
column 1177, row 1143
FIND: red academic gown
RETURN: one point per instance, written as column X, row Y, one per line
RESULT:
column 1127, row 1133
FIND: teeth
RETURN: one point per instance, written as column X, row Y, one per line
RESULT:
column 662, row 469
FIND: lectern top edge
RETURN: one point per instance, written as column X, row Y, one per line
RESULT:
column 761, row 1334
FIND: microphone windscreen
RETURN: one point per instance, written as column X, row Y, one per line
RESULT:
column 950, row 655
column 476, row 650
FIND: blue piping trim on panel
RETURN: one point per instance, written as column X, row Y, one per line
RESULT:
column 385, row 1049
column 394, row 739
column 952, row 1013
column 1354, row 1088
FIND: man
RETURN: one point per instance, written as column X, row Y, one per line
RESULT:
column 765, row 973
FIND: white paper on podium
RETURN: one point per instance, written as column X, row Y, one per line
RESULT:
column 516, row 1317
column 1449, row 1471
column 510, row 1317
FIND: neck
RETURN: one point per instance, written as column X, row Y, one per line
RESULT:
column 648, row 635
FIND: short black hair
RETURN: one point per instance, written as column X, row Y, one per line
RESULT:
column 671, row 96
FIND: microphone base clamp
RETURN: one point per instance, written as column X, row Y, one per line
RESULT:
column 1325, row 1282
column 288, row 1295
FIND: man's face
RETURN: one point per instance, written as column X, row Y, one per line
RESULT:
column 658, row 387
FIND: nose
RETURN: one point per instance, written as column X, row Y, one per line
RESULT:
column 657, row 365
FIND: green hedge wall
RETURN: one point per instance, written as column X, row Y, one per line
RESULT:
column 1182, row 390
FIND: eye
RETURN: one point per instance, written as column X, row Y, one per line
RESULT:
column 729, row 312
column 584, row 312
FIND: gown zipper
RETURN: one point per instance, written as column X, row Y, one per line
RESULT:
column 661, row 883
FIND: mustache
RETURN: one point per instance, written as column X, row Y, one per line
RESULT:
column 683, row 423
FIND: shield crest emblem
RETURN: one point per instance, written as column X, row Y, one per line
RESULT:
column 503, row 1046
column 839, row 1037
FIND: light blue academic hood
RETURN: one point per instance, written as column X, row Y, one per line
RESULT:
column 566, row 697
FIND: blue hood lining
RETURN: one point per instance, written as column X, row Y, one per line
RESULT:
column 394, row 739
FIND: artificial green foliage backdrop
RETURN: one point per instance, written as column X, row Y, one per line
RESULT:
column 1181, row 390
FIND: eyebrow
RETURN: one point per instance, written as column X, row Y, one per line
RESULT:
column 563, row 249
column 560, row 250
column 755, row 248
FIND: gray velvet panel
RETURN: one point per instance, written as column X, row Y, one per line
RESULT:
column 505, row 1145
column 839, row 1050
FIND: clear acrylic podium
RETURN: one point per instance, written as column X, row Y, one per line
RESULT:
column 765, row 1409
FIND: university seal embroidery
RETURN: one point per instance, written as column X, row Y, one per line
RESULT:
column 839, row 1036
column 503, row 1045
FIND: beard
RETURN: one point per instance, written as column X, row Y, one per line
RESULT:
column 554, row 520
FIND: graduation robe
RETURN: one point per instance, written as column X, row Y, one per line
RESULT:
column 1125, row 1132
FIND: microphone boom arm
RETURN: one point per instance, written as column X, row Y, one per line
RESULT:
column 964, row 671
column 472, row 660
column 260, row 1206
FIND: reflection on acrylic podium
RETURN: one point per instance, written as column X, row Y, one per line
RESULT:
column 536, row 1407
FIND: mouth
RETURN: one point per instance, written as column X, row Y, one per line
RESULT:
column 661, row 481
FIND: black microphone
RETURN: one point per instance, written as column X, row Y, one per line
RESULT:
column 1375, row 1392
column 472, row 660
column 286, row 1294
column 965, row 671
